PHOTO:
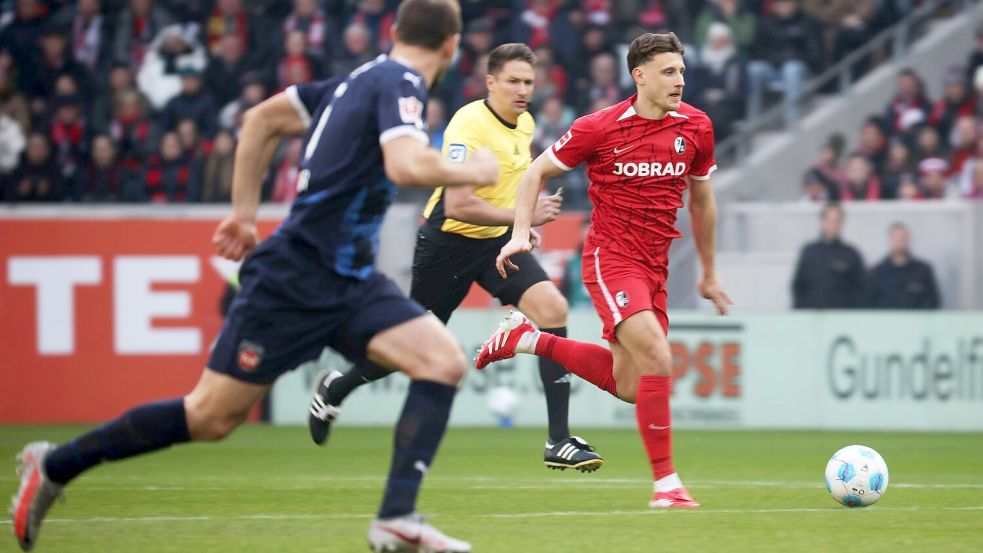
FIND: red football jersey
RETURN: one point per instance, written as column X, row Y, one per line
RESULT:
column 637, row 169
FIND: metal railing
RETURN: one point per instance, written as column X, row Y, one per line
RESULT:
column 736, row 149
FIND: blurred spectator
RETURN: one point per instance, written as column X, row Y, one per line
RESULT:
column 309, row 18
column 131, row 130
column 377, row 19
column 934, row 183
column 899, row 164
column 50, row 62
column 829, row 273
column 473, row 88
column 296, row 67
column 533, row 24
column 216, row 186
column 741, row 21
column 910, row 107
column 908, row 189
column 120, row 79
column 956, row 102
column 189, row 11
column 974, row 188
column 174, row 53
column 100, row 181
column 12, row 142
column 169, row 176
column 68, row 135
column 193, row 146
column 861, row 183
column 229, row 17
column 551, row 122
column 436, row 122
column 846, row 24
column 603, row 82
column 901, row 281
column 962, row 142
column 928, row 144
column 785, row 50
column 824, row 181
column 967, row 175
column 356, row 49
column 194, row 102
column 253, row 92
column 12, row 102
column 477, row 41
column 37, row 178
column 874, row 142
column 19, row 37
column 226, row 69
column 136, row 27
column 551, row 78
column 287, row 173
column 975, row 58
column 717, row 85
column 566, row 28
column 89, row 32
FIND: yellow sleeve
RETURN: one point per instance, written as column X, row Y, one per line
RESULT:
column 462, row 136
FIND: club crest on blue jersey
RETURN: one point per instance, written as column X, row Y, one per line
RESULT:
column 249, row 356
column 680, row 145
column 411, row 111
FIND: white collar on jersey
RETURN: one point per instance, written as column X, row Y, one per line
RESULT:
column 631, row 111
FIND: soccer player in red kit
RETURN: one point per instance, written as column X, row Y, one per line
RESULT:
column 641, row 155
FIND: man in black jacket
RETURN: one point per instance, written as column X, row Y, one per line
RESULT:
column 830, row 273
column 901, row 281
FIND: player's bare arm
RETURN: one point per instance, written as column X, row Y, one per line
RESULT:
column 539, row 170
column 703, row 217
column 410, row 162
column 262, row 128
column 462, row 204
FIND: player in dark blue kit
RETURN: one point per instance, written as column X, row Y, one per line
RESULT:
column 313, row 283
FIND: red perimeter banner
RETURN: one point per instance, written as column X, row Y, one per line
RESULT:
column 100, row 314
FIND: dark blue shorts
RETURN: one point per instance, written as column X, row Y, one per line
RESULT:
column 291, row 307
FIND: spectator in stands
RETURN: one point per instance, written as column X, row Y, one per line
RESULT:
column 296, row 66
column 193, row 102
column 736, row 15
column 910, row 107
column 861, row 183
column 216, row 185
column 874, row 143
column 717, row 85
column 169, row 176
column 12, row 103
column 829, row 273
column 100, row 181
column 68, row 135
column 89, row 33
column 786, row 49
column 532, row 27
column 847, row 25
column 934, row 182
column 356, row 49
column 51, row 61
column 226, row 69
column 229, row 17
column 253, row 92
column 37, row 178
column 962, row 142
column 309, row 18
column 967, row 175
column 552, row 121
column 603, row 83
column 136, row 27
column 120, row 79
column 899, row 165
column 12, row 142
column 194, row 147
column 188, row 11
column 436, row 121
column 824, row 181
column 975, row 60
column 901, row 281
column 974, row 188
column 287, row 173
column 20, row 35
column 956, row 102
column 552, row 75
column 174, row 53
column 928, row 144
column 377, row 18
column 908, row 189
column 131, row 130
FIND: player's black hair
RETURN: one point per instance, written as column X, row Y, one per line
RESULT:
column 646, row 46
column 427, row 23
column 509, row 52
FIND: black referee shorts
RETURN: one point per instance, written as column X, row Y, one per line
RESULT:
column 445, row 264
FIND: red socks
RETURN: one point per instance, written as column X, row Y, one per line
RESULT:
column 652, row 413
column 589, row 361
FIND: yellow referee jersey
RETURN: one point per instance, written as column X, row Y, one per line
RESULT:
column 476, row 126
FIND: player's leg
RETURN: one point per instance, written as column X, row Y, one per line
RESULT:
column 643, row 335
column 394, row 332
column 443, row 268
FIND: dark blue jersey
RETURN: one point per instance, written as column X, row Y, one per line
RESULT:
column 343, row 192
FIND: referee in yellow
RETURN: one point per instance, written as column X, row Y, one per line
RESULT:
column 465, row 228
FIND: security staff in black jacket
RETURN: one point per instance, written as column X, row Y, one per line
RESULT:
column 901, row 281
column 830, row 273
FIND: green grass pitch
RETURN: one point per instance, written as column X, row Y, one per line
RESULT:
column 270, row 489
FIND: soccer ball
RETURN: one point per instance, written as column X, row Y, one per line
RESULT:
column 856, row 476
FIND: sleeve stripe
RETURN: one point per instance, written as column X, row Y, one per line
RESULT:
column 556, row 161
column 401, row 131
column 298, row 104
column 706, row 176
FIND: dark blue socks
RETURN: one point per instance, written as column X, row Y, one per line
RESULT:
column 140, row 430
column 418, row 433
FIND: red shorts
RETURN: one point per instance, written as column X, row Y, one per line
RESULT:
column 620, row 286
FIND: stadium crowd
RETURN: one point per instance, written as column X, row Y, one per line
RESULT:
column 141, row 100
